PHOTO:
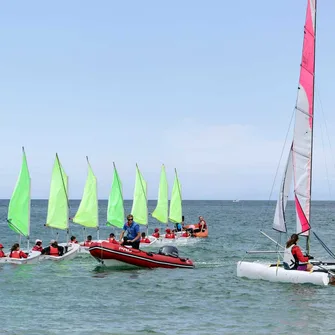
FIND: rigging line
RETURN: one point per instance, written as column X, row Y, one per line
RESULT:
column 324, row 245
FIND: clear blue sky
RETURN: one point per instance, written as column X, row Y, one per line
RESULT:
column 207, row 87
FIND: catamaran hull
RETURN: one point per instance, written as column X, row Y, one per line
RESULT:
column 112, row 254
column 70, row 254
column 263, row 271
column 33, row 258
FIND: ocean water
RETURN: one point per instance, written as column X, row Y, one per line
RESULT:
column 79, row 297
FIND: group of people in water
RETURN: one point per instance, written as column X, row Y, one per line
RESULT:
column 130, row 236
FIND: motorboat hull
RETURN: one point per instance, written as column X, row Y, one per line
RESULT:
column 112, row 254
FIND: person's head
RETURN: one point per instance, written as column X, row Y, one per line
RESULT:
column 38, row 242
column 89, row 238
column 143, row 234
column 168, row 230
column 111, row 235
column 54, row 243
column 1, row 246
column 15, row 247
column 293, row 240
column 156, row 230
column 130, row 219
column 73, row 238
column 201, row 218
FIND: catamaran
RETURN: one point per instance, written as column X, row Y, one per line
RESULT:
column 58, row 210
column 88, row 213
column 299, row 166
column 19, row 213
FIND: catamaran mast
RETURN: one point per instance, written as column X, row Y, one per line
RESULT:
column 315, row 16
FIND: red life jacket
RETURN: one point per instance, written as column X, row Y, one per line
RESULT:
column 145, row 240
column 87, row 243
column 2, row 254
column 15, row 254
column 37, row 248
column 169, row 235
column 53, row 251
column 184, row 234
column 156, row 235
column 113, row 241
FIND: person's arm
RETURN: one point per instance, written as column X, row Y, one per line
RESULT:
column 299, row 254
column 45, row 251
column 122, row 234
column 23, row 254
column 138, row 236
column 60, row 250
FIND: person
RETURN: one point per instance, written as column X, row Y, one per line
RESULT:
column 156, row 233
column 144, row 239
column 2, row 254
column 112, row 239
column 133, row 233
column 178, row 227
column 185, row 234
column 37, row 246
column 202, row 225
column 53, row 250
column 73, row 239
column 88, row 241
column 293, row 257
column 15, row 252
column 169, row 234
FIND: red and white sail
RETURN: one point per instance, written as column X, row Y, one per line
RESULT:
column 279, row 222
column 303, row 130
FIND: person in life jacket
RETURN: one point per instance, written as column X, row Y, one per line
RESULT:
column 88, row 241
column 2, row 254
column 185, row 234
column 156, row 233
column 37, row 246
column 169, row 234
column 202, row 225
column 73, row 239
column 144, row 239
column 54, row 249
column 112, row 239
column 15, row 252
column 293, row 257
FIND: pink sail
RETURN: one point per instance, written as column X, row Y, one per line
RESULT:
column 303, row 130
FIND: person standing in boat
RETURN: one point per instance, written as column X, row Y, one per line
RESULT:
column 37, row 246
column 53, row 250
column 2, row 254
column 293, row 257
column 15, row 252
column 133, row 233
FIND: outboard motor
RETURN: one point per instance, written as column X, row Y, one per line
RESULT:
column 169, row 250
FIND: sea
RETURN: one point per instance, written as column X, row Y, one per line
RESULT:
column 81, row 297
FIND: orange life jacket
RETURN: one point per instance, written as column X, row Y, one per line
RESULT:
column 87, row 243
column 145, row 240
column 37, row 248
column 53, row 251
column 156, row 235
column 15, row 254
column 184, row 234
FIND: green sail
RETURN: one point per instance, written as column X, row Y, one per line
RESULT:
column 87, row 214
column 161, row 211
column 58, row 209
column 19, row 205
column 115, row 210
column 176, row 202
column 140, row 206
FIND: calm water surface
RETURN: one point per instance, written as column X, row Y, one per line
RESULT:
column 78, row 297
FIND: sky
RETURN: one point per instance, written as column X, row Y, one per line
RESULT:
column 206, row 87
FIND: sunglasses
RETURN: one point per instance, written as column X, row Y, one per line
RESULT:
column 130, row 219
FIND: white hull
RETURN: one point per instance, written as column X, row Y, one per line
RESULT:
column 263, row 271
column 176, row 241
column 152, row 239
column 33, row 258
column 72, row 252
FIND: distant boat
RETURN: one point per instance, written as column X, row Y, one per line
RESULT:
column 236, row 200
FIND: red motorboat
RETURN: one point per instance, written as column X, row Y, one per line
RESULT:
column 117, row 255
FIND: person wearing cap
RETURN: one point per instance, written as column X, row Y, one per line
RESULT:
column 133, row 233
column 37, row 246
column 169, row 234
column 15, row 252
column 156, row 233
column 112, row 239
column 2, row 254
column 54, row 249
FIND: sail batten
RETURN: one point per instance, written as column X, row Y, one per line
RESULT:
column 87, row 213
column 303, row 130
column 115, row 210
column 161, row 211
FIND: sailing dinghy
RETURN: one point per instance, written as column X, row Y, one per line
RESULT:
column 88, row 212
column 299, row 166
column 58, row 210
column 19, row 213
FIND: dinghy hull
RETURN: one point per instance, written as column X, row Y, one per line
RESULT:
column 33, row 258
column 72, row 252
column 113, row 254
column 263, row 271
